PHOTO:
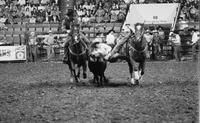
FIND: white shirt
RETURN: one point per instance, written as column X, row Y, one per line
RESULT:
column 176, row 40
column 41, row 7
column 110, row 39
column 195, row 37
column 102, row 49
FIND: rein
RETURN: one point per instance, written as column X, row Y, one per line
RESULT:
column 132, row 48
column 77, row 54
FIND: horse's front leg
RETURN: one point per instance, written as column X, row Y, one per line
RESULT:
column 130, row 64
column 74, row 72
column 85, row 70
column 79, row 71
column 142, row 69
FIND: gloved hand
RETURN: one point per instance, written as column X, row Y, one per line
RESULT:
column 107, row 56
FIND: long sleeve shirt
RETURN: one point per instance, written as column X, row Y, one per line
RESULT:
column 195, row 37
column 49, row 40
column 176, row 39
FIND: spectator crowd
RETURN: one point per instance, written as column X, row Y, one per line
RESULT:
column 32, row 11
column 102, row 11
column 96, row 11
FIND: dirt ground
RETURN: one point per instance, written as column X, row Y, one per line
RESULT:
column 42, row 93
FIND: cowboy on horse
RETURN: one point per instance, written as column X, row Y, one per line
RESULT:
column 73, row 36
column 132, row 48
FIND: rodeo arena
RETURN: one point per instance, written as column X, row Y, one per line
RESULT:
column 99, row 61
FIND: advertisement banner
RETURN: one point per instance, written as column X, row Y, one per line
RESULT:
column 152, row 13
column 12, row 53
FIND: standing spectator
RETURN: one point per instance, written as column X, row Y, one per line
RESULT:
column 149, row 37
column 32, row 47
column 155, row 45
column 176, row 43
column 161, row 34
column 195, row 45
column 49, row 42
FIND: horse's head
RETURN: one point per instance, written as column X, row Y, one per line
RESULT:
column 139, row 32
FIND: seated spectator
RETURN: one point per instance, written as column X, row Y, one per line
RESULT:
column 123, row 5
column 27, row 13
column 13, row 8
column 113, row 17
column 55, row 15
column 44, row 2
column 32, row 19
column 99, row 19
column 91, row 6
column 3, row 41
column 121, row 17
column 40, row 16
column 115, row 6
column 86, row 5
column 106, row 17
column 100, row 12
column 21, row 2
column 3, row 21
column 34, row 2
column 80, row 12
column 2, row 2
column 193, row 12
column 41, row 7
column 34, row 12
column 27, row 6
column 86, row 19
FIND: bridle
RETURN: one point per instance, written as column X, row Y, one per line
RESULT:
column 78, row 54
column 139, row 39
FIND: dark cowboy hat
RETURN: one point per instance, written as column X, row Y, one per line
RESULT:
column 192, row 29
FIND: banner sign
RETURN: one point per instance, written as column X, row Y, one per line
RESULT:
column 152, row 13
column 12, row 53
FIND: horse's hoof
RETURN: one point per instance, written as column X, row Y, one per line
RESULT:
column 132, row 81
column 71, row 80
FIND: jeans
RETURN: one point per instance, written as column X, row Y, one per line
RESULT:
column 33, row 50
column 194, row 51
column 50, row 52
column 177, row 53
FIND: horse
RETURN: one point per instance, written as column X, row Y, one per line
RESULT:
column 97, row 65
column 77, row 57
column 133, row 52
